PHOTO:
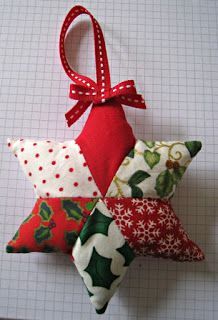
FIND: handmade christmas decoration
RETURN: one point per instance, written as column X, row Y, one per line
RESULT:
column 105, row 198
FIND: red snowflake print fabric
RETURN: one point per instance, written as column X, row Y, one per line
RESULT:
column 151, row 227
column 53, row 225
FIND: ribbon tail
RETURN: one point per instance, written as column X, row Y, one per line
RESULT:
column 132, row 100
column 76, row 112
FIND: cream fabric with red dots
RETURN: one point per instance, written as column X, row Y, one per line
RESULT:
column 55, row 169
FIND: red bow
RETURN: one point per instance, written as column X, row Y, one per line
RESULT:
column 85, row 90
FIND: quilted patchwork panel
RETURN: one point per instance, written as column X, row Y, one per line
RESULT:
column 55, row 169
column 151, row 227
column 153, row 169
column 102, row 256
column 53, row 225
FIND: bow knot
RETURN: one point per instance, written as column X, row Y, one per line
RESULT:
column 84, row 89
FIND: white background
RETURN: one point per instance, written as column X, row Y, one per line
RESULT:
column 169, row 48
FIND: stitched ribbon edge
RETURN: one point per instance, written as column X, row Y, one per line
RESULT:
column 85, row 90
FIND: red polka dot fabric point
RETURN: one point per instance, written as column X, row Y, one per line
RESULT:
column 61, row 189
column 58, row 169
column 22, row 149
column 95, row 193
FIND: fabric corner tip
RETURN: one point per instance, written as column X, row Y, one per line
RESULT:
column 9, row 142
column 102, row 310
column 13, row 144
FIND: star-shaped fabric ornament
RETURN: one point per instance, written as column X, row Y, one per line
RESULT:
column 104, row 198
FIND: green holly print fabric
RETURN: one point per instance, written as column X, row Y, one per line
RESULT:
column 153, row 169
column 101, row 256
column 53, row 225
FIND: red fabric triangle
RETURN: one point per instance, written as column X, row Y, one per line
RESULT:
column 53, row 225
column 151, row 227
column 105, row 140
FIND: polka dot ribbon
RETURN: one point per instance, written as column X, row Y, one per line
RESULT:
column 84, row 89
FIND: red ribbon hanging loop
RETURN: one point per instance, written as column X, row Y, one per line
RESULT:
column 85, row 90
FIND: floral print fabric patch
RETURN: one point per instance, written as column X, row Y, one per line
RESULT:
column 153, row 169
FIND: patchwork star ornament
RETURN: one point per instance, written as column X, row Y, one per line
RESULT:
column 104, row 198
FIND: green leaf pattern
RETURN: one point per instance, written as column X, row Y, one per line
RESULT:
column 28, row 218
column 153, row 169
column 41, row 234
column 131, row 154
column 136, row 192
column 98, row 267
column 127, row 253
column 101, row 256
column 193, row 147
column 149, row 144
column 96, row 223
column 72, row 209
column 16, row 236
column 70, row 237
column 177, row 174
column 164, row 183
column 138, row 177
column 45, row 211
column 152, row 158
column 91, row 204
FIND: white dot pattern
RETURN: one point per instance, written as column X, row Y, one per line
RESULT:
column 55, row 169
